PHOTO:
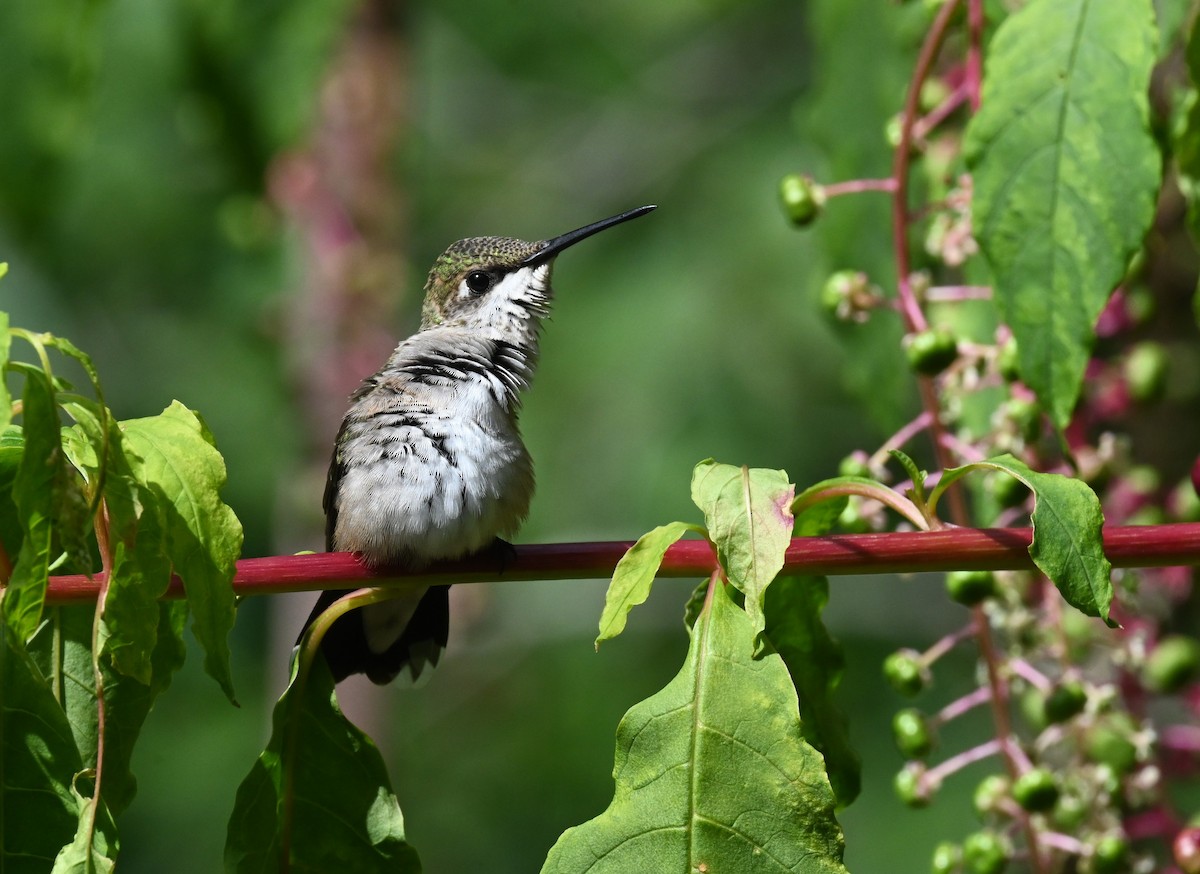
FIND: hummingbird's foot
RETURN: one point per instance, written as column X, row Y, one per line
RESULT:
column 501, row 552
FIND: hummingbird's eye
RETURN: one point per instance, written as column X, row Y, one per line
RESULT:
column 480, row 281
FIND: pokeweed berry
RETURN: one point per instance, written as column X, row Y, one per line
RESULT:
column 906, row 673
column 915, row 736
column 931, row 351
column 970, row 587
column 1066, row 699
column 984, row 852
column 1173, row 664
column 802, row 198
column 1036, row 790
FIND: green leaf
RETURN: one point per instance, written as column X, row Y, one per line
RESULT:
column 39, row 477
column 38, row 762
column 5, row 348
column 816, row 662
column 62, row 649
column 94, row 850
column 634, row 575
column 914, row 473
column 318, row 793
column 702, row 787
column 1187, row 137
column 1068, row 541
column 141, row 567
column 182, row 468
column 749, row 518
column 1066, row 173
column 12, row 449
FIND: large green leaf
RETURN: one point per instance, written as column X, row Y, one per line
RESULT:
column 1068, row 532
column 634, row 575
column 141, row 567
column 713, row 772
column 94, row 850
column 62, row 649
column 203, row 536
column 318, row 798
column 749, row 518
column 5, row 346
column 38, row 762
column 39, row 477
column 1065, row 175
column 816, row 662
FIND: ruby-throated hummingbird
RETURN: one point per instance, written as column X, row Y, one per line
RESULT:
column 429, row 463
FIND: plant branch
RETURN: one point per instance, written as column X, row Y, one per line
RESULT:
column 910, row 307
column 834, row 555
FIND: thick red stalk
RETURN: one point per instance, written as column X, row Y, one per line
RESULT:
column 834, row 555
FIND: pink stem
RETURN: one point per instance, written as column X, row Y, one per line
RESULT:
column 857, row 186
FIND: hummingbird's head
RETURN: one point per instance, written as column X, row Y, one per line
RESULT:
column 498, row 284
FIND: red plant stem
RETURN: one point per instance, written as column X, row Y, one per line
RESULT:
column 974, row 76
column 914, row 318
column 924, row 125
column 833, row 555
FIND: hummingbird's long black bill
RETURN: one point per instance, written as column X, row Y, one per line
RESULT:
column 552, row 247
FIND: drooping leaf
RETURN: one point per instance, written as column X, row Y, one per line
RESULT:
column 1068, row 538
column 12, row 448
column 94, row 850
column 1187, row 137
column 634, row 575
column 38, row 762
column 42, row 470
column 749, row 518
column 5, row 348
column 65, row 652
column 203, row 536
column 1066, row 173
column 141, row 567
column 701, row 785
column 318, row 793
column 816, row 662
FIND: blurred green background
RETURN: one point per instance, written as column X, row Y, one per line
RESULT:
column 233, row 204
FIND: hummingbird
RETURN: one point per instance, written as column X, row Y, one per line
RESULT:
column 429, row 463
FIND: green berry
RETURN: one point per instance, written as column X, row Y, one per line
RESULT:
column 970, row 587
column 1025, row 416
column 946, row 858
column 934, row 92
column 906, row 673
column 841, row 289
column 855, row 464
column 852, row 520
column 1110, row 855
column 1008, row 361
column 1146, row 368
column 915, row 736
column 802, row 198
column 911, row 787
column 990, row 793
column 1036, row 790
column 1065, row 700
column 1109, row 742
column 1173, row 664
column 1070, row 811
column 985, row 853
column 931, row 351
